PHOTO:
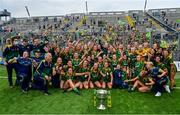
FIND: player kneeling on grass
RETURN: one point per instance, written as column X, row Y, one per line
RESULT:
column 84, row 79
column 95, row 76
column 107, row 76
column 24, row 65
column 43, row 74
column 118, row 78
column 159, row 77
column 142, row 82
column 70, row 84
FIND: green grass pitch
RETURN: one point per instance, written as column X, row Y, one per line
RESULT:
column 12, row 101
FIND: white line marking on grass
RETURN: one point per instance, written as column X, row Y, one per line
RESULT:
column 176, row 87
column 2, row 77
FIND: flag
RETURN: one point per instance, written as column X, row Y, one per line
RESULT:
column 163, row 44
column 148, row 35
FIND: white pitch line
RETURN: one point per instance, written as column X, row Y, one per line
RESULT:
column 1, row 77
column 176, row 87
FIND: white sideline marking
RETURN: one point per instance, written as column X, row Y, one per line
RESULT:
column 176, row 87
column 1, row 77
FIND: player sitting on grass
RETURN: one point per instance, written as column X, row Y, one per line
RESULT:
column 159, row 77
column 95, row 76
column 84, row 79
column 142, row 82
column 70, row 84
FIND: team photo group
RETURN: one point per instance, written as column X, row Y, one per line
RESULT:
column 79, row 65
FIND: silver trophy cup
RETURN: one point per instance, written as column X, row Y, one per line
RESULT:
column 101, row 96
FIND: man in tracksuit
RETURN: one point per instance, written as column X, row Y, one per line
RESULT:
column 24, row 68
column 24, row 47
column 11, row 50
column 43, row 74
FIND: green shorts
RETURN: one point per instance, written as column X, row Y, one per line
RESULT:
column 94, row 79
column 63, row 78
column 106, row 79
column 83, row 78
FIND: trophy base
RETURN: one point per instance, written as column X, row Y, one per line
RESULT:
column 101, row 107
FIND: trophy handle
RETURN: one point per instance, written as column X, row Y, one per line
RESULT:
column 109, row 101
column 94, row 98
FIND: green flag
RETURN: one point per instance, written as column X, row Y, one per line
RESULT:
column 178, row 20
column 148, row 35
column 163, row 44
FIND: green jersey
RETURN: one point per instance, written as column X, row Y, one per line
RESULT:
column 44, row 69
column 95, row 53
column 167, row 62
column 139, row 66
column 84, row 77
column 160, row 65
column 100, row 67
column 124, row 75
column 76, row 63
column 107, row 72
column 144, row 79
column 95, row 75
column 132, row 58
column 124, row 63
column 68, row 76
column 65, row 58
column 114, row 64
column 118, row 54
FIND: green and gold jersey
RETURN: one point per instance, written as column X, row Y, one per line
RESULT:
column 65, row 58
column 84, row 77
column 118, row 54
column 110, row 54
column 95, row 53
column 68, row 76
column 44, row 69
column 113, row 64
column 124, row 75
column 55, row 65
column 139, row 66
column 144, row 79
column 160, row 65
column 95, row 75
column 132, row 58
column 107, row 72
column 100, row 66
column 86, row 52
column 75, row 63
column 81, row 70
column 70, row 53
column 167, row 62
column 126, row 53
column 124, row 63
